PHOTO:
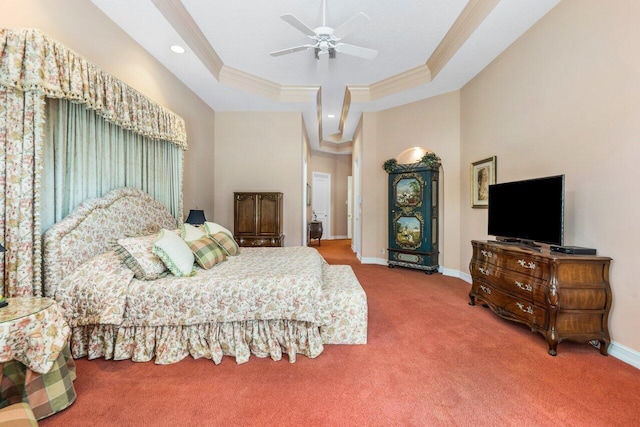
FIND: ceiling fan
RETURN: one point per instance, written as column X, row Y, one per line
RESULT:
column 326, row 40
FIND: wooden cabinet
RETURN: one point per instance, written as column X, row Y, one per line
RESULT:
column 561, row 296
column 413, row 217
column 257, row 219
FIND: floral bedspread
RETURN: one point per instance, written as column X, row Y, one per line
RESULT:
column 259, row 284
column 96, row 292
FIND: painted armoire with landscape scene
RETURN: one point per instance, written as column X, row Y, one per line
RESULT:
column 413, row 213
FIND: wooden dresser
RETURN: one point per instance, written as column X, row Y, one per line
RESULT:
column 257, row 219
column 561, row 296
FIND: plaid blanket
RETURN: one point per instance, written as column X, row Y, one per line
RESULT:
column 45, row 393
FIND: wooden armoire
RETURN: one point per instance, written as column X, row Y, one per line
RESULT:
column 257, row 219
column 413, row 214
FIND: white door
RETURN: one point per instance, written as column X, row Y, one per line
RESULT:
column 357, row 208
column 349, row 207
column 321, row 201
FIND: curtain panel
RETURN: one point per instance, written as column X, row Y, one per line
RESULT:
column 85, row 156
column 34, row 67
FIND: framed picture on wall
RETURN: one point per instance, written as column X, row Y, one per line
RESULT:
column 308, row 194
column 483, row 174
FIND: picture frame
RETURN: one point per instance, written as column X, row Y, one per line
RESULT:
column 483, row 174
column 308, row 194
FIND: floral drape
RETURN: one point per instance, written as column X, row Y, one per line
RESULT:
column 21, row 123
column 32, row 67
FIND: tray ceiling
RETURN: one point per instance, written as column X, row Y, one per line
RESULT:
column 425, row 48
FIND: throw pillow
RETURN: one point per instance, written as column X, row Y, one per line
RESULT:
column 137, row 254
column 227, row 243
column 174, row 253
column 207, row 252
column 212, row 228
column 189, row 233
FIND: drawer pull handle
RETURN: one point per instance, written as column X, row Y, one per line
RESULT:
column 524, row 286
column 526, row 310
column 485, row 289
column 527, row 264
column 484, row 271
column 488, row 254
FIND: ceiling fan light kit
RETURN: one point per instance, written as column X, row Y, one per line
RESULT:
column 326, row 40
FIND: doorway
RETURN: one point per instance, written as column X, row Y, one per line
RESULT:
column 321, row 201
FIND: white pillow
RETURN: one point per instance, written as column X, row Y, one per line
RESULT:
column 175, row 253
column 189, row 233
column 212, row 228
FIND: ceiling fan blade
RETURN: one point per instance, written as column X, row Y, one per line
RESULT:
column 298, row 24
column 291, row 50
column 350, row 26
column 361, row 52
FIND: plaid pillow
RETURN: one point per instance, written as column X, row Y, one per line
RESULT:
column 207, row 252
column 227, row 243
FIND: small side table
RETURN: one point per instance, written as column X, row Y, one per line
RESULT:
column 37, row 367
column 314, row 231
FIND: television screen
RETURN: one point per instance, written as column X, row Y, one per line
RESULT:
column 530, row 210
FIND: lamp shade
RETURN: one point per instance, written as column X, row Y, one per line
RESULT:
column 196, row 217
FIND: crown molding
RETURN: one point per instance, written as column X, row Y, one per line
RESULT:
column 336, row 148
column 242, row 80
column 181, row 21
column 298, row 93
column 411, row 78
column 473, row 14
column 346, row 103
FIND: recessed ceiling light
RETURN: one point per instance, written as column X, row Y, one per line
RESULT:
column 331, row 116
column 177, row 49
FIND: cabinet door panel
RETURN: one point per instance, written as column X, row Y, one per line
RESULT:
column 245, row 215
column 269, row 217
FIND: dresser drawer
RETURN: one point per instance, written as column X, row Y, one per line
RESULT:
column 520, row 285
column 511, row 307
column 514, row 260
column 257, row 241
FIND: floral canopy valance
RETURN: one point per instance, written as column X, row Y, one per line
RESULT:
column 32, row 61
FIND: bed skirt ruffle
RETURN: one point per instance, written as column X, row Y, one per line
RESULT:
column 170, row 344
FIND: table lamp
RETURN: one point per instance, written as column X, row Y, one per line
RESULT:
column 196, row 217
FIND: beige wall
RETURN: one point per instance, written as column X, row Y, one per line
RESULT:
column 565, row 99
column 259, row 152
column 85, row 29
column 434, row 124
column 339, row 166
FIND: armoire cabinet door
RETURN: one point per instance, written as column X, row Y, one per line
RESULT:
column 246, row 209
column 269, row 217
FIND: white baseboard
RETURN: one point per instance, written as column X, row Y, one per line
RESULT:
column 371, row 260
column 625, row 354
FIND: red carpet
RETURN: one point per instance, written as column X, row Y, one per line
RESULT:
column 431, row 360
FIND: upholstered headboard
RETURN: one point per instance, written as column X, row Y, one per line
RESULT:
column 93, row 227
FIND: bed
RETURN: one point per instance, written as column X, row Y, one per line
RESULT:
column 262, row 301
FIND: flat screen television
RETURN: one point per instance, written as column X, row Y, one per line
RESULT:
column 528, row 211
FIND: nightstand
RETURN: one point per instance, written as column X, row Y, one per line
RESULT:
column 314, row 231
